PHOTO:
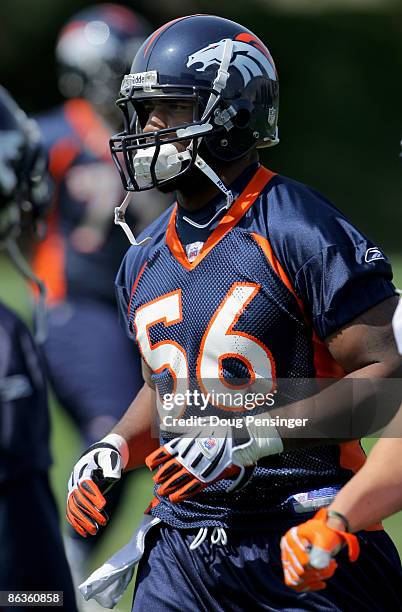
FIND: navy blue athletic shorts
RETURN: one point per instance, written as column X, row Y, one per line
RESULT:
column 246, row 576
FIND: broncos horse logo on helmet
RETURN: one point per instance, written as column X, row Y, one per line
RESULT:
column 250, row 61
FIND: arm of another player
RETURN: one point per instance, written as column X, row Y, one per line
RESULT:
column 102, row 464
column 373, row 494
column 365, row 348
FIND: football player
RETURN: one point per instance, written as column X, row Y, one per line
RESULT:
column 250, row 277
column 92, row 366
column 31, row 553
column 372, row 495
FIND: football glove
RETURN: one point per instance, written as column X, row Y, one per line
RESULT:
column 95, row 472
column 190, row 464
column 308, row 552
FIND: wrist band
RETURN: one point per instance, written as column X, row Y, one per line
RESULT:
column 264, row 441
column 120, row 444
column 341, row 517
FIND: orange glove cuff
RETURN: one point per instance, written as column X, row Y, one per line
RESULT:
column 348, row 539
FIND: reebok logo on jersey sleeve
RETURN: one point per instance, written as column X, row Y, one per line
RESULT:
column 373, row 254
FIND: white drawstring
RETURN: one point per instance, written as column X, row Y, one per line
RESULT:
column 204, row 225
column 218, row 537
column 219, row 84
column 199, row 538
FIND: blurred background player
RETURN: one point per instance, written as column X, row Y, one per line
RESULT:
column 31, row 553
column 92, row 366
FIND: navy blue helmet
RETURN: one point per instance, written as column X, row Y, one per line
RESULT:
column 224, row 69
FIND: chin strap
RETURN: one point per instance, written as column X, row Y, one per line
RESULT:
column 221, row 77
column 120, row 219
column 40, row 318
column 218, row 85
column 207, row 170
column 120, row 211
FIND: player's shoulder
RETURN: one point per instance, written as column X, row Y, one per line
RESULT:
column 293, row 213
column 288, row 198
column 137, row 256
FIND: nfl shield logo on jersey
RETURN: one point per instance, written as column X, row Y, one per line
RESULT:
column 193, row 249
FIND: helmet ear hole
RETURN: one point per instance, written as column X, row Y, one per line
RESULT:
column 242, row 118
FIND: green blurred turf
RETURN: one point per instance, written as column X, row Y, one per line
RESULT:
column 66, row 449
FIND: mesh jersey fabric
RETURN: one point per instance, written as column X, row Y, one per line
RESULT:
column 273, row 317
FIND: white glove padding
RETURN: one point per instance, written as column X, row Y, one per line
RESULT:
column 190, row 464
column 93, row 474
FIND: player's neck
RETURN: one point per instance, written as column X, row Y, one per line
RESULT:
column 194, row 196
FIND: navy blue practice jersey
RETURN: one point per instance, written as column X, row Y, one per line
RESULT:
column 24, row 419
column 255, row 298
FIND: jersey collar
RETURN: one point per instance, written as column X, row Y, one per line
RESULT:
column 239, row 207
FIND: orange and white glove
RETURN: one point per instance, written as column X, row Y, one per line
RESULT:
column 308, row 552
column 94, row 473
column 187, row 465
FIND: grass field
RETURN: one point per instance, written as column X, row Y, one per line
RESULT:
column 65, row 447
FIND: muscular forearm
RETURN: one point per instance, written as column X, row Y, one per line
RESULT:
column 375, row 492
column 345, row 410
column 138, row 427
